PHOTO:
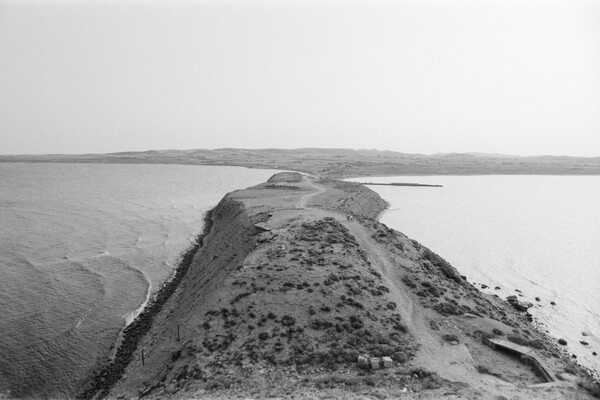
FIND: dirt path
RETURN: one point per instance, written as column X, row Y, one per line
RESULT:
column 304, row 199
column 451, row 362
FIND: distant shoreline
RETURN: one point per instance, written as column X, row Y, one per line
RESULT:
column 341, row 163
column 398, row 184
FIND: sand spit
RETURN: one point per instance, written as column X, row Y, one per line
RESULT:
column 293, row 280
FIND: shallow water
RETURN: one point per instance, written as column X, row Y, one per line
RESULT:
column 536, row 234
column 82, row 246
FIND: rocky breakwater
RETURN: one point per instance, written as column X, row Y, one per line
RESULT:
column 296, row 279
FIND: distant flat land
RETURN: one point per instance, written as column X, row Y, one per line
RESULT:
column 398, row 184
column 343, row 163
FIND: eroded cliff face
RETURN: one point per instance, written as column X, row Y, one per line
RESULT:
column 295, row 279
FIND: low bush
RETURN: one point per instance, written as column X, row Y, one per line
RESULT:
column 449, row 337
column 518, row 339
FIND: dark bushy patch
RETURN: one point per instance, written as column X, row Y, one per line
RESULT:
column 449, row 337
column 518, row 339
column 537, row 344
column 448, row 309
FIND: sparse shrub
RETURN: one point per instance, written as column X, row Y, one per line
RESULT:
column 447, row 309
column 351, row 302
column 518, row 339
column 239, row 297
column 288, row 320
column 229, row 324
column 449, row 337
column 400, row 357
column 409, row 282
column 263, row 336
column 592, row 387
column 383, row 288
column 369, row 381
column 356, row 322
column 483, row 370
column 537, row 344
column 420, row 373
column 385, row 350
column 485, row 335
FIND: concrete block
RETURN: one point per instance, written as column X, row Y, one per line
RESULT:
column 374, row 361
column 363, row 362
column 387, row 362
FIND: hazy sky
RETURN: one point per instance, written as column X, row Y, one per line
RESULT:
column 516, row 77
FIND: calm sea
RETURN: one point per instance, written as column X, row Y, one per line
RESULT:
column 82, row 246
column 536, row 234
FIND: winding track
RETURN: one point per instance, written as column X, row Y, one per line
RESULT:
column 451, row 362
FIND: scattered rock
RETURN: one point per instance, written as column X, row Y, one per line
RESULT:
column 484, row 286
column 552, row 303
column 594, row 353
column 583, row 342
column 497, row 288
column 517, row 305
column 538, row 299
column 562, row 341
column 585, row 334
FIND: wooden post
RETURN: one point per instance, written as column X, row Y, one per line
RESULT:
column 142, row 357
column 178, row 339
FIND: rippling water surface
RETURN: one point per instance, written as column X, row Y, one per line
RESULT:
column 537, row 234
column 82, row 246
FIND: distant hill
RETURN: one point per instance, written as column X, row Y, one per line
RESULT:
column 343, row 162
